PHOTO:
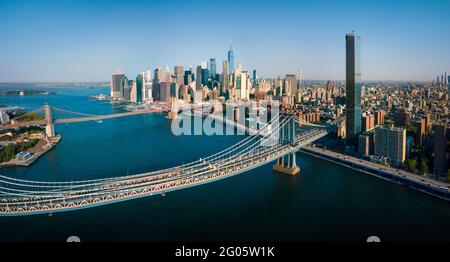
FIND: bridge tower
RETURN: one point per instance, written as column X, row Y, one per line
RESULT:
column 290, row 166
column 173, row 113
column 50, row 127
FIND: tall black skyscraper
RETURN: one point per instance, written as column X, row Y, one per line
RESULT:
column 199, row 78
column 353, row 87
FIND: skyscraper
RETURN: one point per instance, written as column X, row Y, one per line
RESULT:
column 148, row 77
column 168, row 76
column 225, row 78
column 421, row 132
column 243, row 85
column 127, row 85
column 402, row 117
column 302, row 77
column 188, row 77
column 140, row 87
column 199, row 79
column 278, row 86
column 117, row 85
column 231, row 60
column 368, row 121
column 353, row 87
column 238, row 69
column 379, row 117
column 174, row 89
column 156, row 91
column 290, row 85
column 133, row 91
column 364, row 144
column 179, row 74
column 212, row 67
column 439, row 149
column 329, row 86
column 165, row 92
column 205, row 76
column 390, row 142
column 157, row 75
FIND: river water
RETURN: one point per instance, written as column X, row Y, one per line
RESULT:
column 326, row 202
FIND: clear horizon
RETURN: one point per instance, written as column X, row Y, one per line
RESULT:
column 86, row 41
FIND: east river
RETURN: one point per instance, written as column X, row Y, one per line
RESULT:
column 326, row 202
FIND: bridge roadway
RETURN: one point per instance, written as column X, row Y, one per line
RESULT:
column 101, row 117
column 148, row 184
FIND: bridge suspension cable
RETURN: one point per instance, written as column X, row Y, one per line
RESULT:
column 72, row 112
column 36, row 111
column 250, row 148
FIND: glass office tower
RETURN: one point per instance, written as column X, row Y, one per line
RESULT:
column 231, row 60
column 212, row 67
column 353, row 87
column 140, row 87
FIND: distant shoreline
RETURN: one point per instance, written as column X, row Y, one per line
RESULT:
column 26, row 92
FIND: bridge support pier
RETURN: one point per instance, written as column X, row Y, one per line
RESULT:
column 290, row 167
column 290, row 170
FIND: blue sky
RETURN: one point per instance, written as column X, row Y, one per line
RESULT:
column 86, row 40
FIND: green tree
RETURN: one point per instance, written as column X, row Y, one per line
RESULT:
column 411, row 164
column 423, row 166
column 7, row 153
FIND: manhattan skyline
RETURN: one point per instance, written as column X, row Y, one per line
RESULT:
column 51, row 41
